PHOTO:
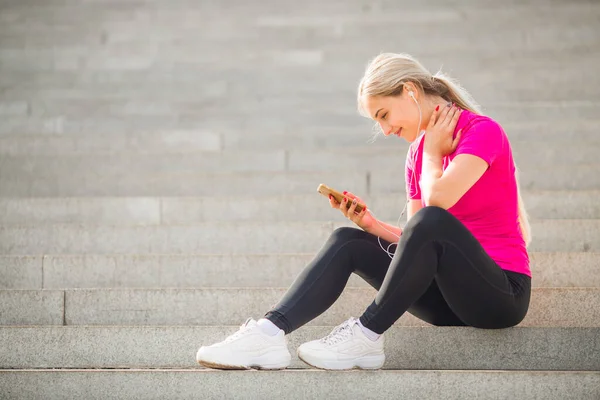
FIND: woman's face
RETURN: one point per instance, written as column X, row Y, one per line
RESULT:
column 398, row 115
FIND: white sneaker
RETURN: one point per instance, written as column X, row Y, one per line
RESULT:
column 247, row 348
column 346, row 347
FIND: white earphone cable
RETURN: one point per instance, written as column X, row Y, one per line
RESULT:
column 387, row 251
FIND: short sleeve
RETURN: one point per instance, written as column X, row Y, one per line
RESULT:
column 484, row 139
column 413, row 190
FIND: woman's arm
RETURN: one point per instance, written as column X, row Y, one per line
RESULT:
column 384, row 231
column 445, row 189
column 413, row 207
column 380, row 230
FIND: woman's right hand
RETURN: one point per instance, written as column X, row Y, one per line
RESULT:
column 364, row 219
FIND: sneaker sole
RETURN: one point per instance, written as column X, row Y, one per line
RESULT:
column 366, row 363
column 240, row 367
column 257, row 365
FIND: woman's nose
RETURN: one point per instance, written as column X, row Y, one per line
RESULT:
column 385, row 128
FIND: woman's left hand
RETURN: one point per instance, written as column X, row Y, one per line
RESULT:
column 438, row 136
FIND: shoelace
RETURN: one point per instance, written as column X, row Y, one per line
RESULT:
column 339, row 333
column 240, row 332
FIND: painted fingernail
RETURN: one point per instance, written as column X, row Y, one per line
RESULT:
column 330, row 197
column 437, row 108
column 345, row 199
column 345, row 192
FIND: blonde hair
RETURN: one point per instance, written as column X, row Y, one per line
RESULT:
column 386, row 75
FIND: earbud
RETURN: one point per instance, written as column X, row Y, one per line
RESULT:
column 411, row 94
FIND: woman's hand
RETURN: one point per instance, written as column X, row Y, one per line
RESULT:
column 438, row 137
column 364, row 220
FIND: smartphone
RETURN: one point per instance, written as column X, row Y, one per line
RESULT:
column 326, row 191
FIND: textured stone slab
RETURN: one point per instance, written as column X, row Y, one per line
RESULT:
column 109, row 143
column 175, row 347
column 199, row 183
column 266, row 270
column 13, row 107
column 539, row 204
column 31, row 307
column 99, row 210
column 113, row 166
column 202, row 238
column 183, row 184
column 21, row 272
column 240, row 238
column 552, row 307
column 160, row 384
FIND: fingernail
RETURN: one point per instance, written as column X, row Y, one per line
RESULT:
column 345, row 192
column 437, row 108
column 345, row 199
column 354, row 201
column 330, row 197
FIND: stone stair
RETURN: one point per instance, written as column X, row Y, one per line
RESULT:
column 158, row 172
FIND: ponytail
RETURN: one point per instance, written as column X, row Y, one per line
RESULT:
column 451, row 90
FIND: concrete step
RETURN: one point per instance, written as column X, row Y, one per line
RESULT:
column 166, row 142
column 80, row 182
column 225, row 270
column 465, row 348
column 239, row 238
column 281, row 82
column 185, row 184
column 311, row 135
column 160, row 384
column 124, row 73
column 313, row 207
column 263, row 50
column 528, row 154
column 550, row 307
column 319, row 109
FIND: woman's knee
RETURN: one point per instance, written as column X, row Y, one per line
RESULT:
column 346, row 233
column 426, row 220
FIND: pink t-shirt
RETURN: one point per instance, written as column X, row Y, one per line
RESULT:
column 489, row 209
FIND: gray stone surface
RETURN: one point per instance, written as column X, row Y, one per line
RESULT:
column 211, row 306
column 239, row 238
column 160, row 384
column 191, row 181
column 215, row 237
column 555, row 204
column 110, row 143
column 548, row 117
column 114, row 166
column 444, row 348
column 539, row 204
column 21, row 272
column 13, row 107
column 196, row 183
column 31, row 307
column 260, row 270
column 100, row 210
column 529, row 155
column 90, row 108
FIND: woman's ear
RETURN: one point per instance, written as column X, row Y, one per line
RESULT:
column 409, row 88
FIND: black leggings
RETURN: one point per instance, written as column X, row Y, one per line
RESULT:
column 439, row 273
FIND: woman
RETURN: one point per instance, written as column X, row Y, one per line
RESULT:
column 461, row 259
